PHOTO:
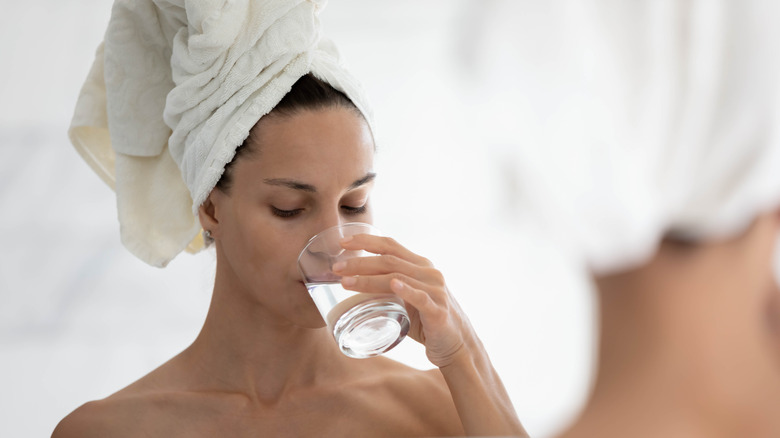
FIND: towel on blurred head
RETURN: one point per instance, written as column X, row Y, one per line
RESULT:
column 175, row 88
column 648, row 118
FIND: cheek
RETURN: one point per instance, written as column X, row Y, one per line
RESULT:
column 269, row 251
column 272, row 252
column 253, row 245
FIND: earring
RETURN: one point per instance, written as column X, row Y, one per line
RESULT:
column 207, row 235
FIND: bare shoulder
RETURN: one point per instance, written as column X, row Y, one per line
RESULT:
column 424, row 383
column 93, row 419
column 421, row 396
column 133, row 412
column 122, row 413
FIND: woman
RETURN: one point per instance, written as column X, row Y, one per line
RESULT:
column 690, row 341
column 264, row 364
column 689, row 301
column 659, row 164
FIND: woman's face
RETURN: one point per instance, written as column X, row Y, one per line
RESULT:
column 307, row 172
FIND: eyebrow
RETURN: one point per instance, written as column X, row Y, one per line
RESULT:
column 362, row 181
column 297, row 185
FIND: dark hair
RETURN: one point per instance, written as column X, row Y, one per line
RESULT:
column 308, row 93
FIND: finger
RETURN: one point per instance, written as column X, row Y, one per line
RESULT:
column 386, row 264
column 380, row 284
column 433, row 315
column 383, row 246
column 418, row 298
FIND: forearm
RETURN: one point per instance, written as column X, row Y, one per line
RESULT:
column 479, row 395
column 438, row 323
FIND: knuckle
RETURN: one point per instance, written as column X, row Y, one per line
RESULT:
column 389, row 243
column 393, row 261
column 439, row 294
column 363, row 282
column 436, row 276
column 399, row 276
column 436, row 313
column 423, row 301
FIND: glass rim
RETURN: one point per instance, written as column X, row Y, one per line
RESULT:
column 345, row 225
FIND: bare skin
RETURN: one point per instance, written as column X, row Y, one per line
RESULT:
column 690, row 343
column 264, row 364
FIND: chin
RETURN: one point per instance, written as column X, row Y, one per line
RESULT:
column 307, row 315
column 316, row 324
column 312, row 316
column 308, row 320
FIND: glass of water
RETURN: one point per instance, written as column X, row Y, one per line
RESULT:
column 363, row 324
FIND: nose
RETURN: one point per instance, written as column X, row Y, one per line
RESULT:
column 321, row 251
column 331, row 217
column 327, row 218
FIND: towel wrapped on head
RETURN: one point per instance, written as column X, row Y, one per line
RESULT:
column 175, row 88
column 650, row 119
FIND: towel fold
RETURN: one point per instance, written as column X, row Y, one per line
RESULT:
column 640, row 119
column 175, row 88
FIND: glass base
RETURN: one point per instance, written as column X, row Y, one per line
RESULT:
column 371, row 328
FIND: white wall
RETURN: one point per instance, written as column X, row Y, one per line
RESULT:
column 80, row 317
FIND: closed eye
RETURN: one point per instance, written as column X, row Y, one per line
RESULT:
column 285, row 213
column 354, row 210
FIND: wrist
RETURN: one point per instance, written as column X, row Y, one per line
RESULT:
column 462, row 358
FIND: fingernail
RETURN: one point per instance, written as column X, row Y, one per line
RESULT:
column 338, row 266
column 397, row 285
column 348, row 281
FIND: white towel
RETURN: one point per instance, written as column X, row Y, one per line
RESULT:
column 641, row 118
column 174, row 90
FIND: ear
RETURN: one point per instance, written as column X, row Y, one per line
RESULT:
column 207, row 214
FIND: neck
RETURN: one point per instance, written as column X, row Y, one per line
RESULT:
column 244, row 347
column 654, row 379
column 636, row 390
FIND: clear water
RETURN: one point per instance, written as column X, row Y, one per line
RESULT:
column 364, row 325
column 327, row 297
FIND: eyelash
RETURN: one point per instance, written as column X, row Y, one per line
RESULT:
column 355, row 210
column 290, row 213
column 285, row 213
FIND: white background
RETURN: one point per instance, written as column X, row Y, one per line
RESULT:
column 80, row 317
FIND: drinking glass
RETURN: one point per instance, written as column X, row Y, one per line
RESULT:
column 363, row 324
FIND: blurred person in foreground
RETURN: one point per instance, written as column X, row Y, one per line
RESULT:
column 653, row 155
